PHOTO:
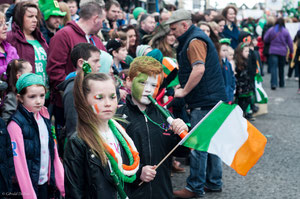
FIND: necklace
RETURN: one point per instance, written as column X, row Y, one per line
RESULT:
column 125, row 172
column 161, row 126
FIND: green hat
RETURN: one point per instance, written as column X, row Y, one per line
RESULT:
column 225, row 41
column 29, row 79
column 137, row 11
column 50, row 8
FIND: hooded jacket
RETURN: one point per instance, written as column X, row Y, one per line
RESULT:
column 11, row 53
column 153, row 144
column 279, row 39
column 24, row 49
column 59, row 61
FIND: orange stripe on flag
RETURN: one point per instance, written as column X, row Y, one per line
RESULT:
column 168, row 65
column 250, row 152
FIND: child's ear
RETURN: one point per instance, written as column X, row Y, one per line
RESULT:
column 18, row 75
column 114, row 53
column 128, row 82
column 80, row 62
column 19, row 98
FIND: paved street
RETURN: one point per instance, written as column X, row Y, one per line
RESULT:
column 277, row 173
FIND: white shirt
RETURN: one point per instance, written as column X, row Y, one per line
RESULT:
column 44, row 142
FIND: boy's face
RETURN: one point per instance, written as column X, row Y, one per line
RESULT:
column 121, row 54
column 223, row 51
column 144, row 85
column 94, row 61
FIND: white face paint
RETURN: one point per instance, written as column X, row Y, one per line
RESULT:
column 151, row 85
column 144, row 85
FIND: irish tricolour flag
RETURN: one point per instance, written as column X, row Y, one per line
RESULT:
column 225, row 132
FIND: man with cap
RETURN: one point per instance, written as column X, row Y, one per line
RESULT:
column 52, row 18
column 202, row 87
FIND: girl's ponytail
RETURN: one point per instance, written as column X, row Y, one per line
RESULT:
column 88, row 122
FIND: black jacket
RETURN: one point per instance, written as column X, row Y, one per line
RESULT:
column 152, row 144
column 6, row 160
column 85, row 176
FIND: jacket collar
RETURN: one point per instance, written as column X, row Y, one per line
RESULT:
column 184, row 35
column 21, row 37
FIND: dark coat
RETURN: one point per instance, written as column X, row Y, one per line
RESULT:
column 153, row 144
column 85, row 176
column 233, row 35
column 6, row 160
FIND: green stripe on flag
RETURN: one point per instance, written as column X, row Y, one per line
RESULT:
column 201, row 136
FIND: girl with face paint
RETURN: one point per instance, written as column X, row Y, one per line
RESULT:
column 149, row 130
column 100, row 157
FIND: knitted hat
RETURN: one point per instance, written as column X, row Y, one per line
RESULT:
column 140, row 50
column 112, row 45
column 50, row 8
column 28, row 79
column 156, row 54
column 137, row 11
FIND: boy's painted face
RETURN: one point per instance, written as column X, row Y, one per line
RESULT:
column 103, row 98
column 34, row 99
column 144, row 85
column 223, row 51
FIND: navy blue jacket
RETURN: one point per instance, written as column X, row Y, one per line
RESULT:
column 6, row 160
column 229, row 79
column 210, row 90
column 233, row 35
column 30, row 131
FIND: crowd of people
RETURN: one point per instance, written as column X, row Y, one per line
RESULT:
column 76, row 117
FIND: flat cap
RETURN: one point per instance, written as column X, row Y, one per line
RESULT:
column 179, row 15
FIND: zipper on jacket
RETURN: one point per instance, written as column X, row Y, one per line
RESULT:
column 150, row 152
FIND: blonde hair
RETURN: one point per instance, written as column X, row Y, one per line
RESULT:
column 65, row 8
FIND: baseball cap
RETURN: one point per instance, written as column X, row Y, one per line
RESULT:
column 179, row 15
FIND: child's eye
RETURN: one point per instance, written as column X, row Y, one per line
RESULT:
column 31, row 96
column 98, row 97
column 113, row 96
column 154, row 85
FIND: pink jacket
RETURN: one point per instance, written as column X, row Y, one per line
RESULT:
column 21, row 169
column 11, row 53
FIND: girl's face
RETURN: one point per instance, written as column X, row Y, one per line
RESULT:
column 170, row 38
column 3, row 30
column 230, row 54
column 103, row 98
column 231, row 15
column 30, row 20
column 131, row 37
column 144, row 85
column 34, row 99
column 205, row 29
column 221, row 25
column 245, row 52
column 223, row 51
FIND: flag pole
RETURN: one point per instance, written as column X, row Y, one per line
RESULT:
column 164, row 159
column 169, row 120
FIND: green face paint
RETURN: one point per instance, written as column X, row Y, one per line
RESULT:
column 138, row 85
column 144, row 85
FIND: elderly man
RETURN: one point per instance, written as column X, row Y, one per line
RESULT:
column 202, row 87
